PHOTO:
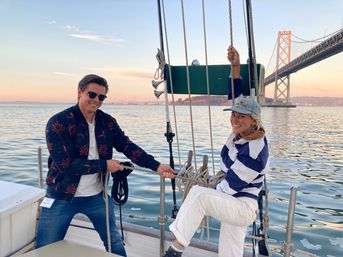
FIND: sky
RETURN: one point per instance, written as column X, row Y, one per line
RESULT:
column 47, row 46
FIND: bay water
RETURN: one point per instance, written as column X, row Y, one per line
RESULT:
column 306, row 148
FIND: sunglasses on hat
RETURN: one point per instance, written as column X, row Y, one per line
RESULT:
column 92, row 95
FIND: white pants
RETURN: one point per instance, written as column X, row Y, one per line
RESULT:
column 235, row 214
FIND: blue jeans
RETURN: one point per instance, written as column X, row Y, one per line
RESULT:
column 54, row 221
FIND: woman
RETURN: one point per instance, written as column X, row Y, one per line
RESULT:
column 244, row 160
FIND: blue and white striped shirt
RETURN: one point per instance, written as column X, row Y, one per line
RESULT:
column 245, row 163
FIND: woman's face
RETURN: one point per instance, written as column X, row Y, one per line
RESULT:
column 242, row 124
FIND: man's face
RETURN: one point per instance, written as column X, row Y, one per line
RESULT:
column 90, row 98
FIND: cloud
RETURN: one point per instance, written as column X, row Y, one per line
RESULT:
column 122, row 73
column 64, row 74
column 51, row 22
column 87, row 35
column 97, row 38
column 71, row 28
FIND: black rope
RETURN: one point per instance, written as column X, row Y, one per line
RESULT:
column 120, row 190
column 169, row 136
column 262, row 247
column 254, row 239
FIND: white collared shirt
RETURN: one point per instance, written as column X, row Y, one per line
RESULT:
column 90, row 184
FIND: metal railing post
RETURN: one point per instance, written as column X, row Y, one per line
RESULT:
column 288, row 245
column 40, row 168
column 162, row 217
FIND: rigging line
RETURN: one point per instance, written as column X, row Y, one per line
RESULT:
column 231, row 44
column 246, row 32
column 230, row 23
column 188, row 81
column 246, row 29
column 208, row 85
column 245, row 21
column 253, row 49
column 171, row 83
column 252, row 80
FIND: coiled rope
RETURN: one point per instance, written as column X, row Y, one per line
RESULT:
column 159, row 73
column 119, row 194
column 120, row 190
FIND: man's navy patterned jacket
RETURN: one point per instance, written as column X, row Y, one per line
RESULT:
column 67, row 139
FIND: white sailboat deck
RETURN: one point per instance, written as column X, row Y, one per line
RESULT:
column 83, row 241
column 139, row 241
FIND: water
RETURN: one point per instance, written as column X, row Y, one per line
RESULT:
column 305, row 144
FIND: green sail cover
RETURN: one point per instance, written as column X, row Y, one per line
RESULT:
column 218, row 79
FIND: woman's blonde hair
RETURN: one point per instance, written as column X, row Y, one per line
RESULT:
column 258, row 121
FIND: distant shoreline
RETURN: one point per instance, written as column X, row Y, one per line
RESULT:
column 215, row 101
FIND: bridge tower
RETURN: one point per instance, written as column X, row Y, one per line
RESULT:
column 283, row 57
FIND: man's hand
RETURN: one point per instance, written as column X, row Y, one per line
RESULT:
column 113, row 166
column 166, row 171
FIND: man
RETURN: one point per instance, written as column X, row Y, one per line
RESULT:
column 80, row 141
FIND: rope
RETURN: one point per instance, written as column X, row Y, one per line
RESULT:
column 120, row 186
column 188, row 81
column 191, row 177
column 208, row 85
column 231, row 44
column 171, row 84
column 169, row 134
column 253, row 51
column 161, row 63
column 198, row 178
column 246, row 34
column 120, row 190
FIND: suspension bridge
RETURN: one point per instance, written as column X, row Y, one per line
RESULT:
column 285, row 65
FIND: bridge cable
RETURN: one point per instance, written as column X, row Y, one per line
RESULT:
column 271, row 57
column 315, row 40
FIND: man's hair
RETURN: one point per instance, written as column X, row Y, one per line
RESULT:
column 92, row 78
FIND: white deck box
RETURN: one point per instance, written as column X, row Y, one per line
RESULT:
column 18, row 215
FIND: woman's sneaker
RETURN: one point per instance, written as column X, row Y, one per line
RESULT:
column 172, row 253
